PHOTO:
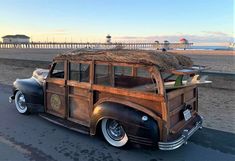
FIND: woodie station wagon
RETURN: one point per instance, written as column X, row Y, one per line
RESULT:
column 138, row 96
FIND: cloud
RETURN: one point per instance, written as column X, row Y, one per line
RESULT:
column 215, row 33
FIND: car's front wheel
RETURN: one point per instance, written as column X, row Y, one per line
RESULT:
column 114, row 133
column 20, row 103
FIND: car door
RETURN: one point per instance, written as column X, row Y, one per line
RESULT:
column 55, row 90
column 80, row 96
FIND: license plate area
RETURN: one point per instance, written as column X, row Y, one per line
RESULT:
column 187, row 114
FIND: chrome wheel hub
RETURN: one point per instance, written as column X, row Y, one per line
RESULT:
column 115, row 130
column 21, row 102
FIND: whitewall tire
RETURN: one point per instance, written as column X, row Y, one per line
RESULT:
column 114, row 133
column 20, row 103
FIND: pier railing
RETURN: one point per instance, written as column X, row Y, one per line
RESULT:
column 66, row 45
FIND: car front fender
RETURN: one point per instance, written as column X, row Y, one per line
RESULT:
column 31, row 89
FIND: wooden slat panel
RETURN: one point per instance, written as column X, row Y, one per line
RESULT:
column 189, row 95
column 181, row 124
column 79, row 91
column 55, row 81
column 58, row 93
column 79, row 84
column 177, row 114
column 79, row 110
column 174, row 119
column 178, row 92
column 177, row 110
column 128, row 93
column 79, row 97
column 60, row 109
column 55, row 88
column 175, row 102
column 153, row 106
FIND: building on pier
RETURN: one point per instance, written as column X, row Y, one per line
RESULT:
column 108, row 38
column 184, row 42
column 166, row 45
column 16, row 39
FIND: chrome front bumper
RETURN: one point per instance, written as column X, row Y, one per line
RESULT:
column 182, row 139
column 11, row 99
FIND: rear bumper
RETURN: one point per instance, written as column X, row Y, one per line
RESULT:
column 182, row 139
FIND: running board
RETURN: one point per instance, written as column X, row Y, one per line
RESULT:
column 65, row 123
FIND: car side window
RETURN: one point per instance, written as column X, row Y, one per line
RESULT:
column 141, row 72
column 102, row 75
column 143, row 81
column 79, row 72
column 122, row 70
column 58, row 70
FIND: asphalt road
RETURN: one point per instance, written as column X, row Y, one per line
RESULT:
column 29, row 138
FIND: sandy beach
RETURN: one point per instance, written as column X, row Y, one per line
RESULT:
column 216, row 105
column 215, row 60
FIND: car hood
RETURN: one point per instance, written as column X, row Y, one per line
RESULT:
column 40, row 75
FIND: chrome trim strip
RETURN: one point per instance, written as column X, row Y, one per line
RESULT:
column 182, row 139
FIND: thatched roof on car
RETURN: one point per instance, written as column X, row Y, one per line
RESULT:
column 163, row 60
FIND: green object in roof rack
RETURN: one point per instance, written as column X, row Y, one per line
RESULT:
column 178, row 81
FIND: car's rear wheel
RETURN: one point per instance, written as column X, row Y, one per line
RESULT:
column 114, row 133
column 20, row 103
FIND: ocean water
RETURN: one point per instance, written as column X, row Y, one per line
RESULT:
column 210, row 48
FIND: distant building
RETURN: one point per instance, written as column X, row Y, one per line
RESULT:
column 18, row 39
column 184, row 42
column 166, row 45
column 157, row 42
column 156, row 45
column 108, row 39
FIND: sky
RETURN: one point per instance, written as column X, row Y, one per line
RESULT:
column 208, row 22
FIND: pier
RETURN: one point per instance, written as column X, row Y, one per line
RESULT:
column 67, row 45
